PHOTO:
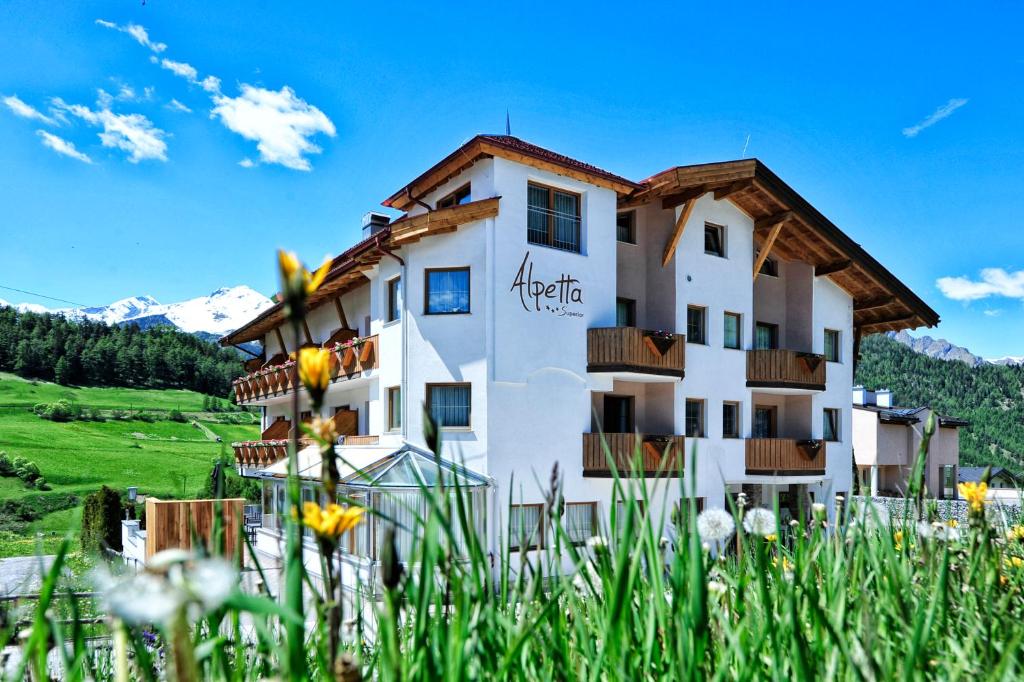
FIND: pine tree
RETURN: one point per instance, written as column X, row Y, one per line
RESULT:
column 61, row 372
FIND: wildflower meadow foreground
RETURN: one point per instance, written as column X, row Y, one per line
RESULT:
column 721, row 594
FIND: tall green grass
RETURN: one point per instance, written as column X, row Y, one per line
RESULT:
column 861, row 597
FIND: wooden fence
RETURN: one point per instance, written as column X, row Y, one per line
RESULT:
column 171, row 524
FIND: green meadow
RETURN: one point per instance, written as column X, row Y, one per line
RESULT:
column 163, row 458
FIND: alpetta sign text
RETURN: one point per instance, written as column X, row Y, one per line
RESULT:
column 557, row 297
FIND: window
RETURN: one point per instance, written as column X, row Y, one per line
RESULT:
column 730, row 419
column 832, row 345
column 449, row 404
column 394, row 299
column 622, row 508
column 580, row 521
column 766, row 336
column 769, row 267
column 553, row 217
column 732, row 331
column 446, row 291
column 765, row 422
column 625, row 227
column 696, row 324
column 525, row 530
column 830, row 428
column 395, row 408
column 949, row 482
column 714, row 240
column 625, row 312
column 456, row 198
column 694, row 418
column 618, row 414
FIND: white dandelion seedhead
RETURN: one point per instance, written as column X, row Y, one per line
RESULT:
column 597, row 544
column 759, row 521
column 717, row 588
column 172, row 580
column 715, row 525
column 871, row 516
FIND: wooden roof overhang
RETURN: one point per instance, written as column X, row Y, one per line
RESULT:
column 489, row 146
column 881, row 302
column 348, row 270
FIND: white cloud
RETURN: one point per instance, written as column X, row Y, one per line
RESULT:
column 24, row 110
column 135, row 31
column 246, row 163
column 211, row 84
column 280, row 123
column 992, row 312
column 175, row 105
column 942, row 112
column 62, row 146
column 993, row 282
column 133, row 134
column 186, row 71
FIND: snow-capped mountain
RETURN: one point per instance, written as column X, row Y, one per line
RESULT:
column 222, row 311
column 944, row 350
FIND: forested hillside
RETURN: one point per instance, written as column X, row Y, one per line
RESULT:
column 991, row 397
column 51, row 348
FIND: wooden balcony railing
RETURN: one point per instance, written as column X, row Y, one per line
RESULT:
column 785, row 369
column 263, row 453
column 347, row 363
column 664, row 453
column 785, row 456
column 628, row 349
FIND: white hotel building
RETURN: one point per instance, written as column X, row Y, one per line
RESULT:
column 534, row 302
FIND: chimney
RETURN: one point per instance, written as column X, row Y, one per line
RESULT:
column 373, row 223
column 862, row 396
column 883, row 397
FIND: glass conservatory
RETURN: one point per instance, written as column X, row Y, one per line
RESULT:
column 388, row 482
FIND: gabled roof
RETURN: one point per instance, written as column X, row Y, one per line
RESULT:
column 347, row 269
column 974, row 474
column 881, row 301
column 910, row 415
column 373, row 466
column 507, row 147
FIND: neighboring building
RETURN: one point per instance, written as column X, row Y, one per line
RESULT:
column 886, row 439
column 533, row 301
column 1003, row 484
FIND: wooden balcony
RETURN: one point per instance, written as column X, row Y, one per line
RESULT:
column 785, row 457
column 632, row 350
column 263, row 453
column 785, row 369
column 663, row 453
column 276, row 379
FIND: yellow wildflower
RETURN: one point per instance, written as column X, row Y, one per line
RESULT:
column 1016, row 561
column 787, row 565
column 331, row 523
column 315, row 371
column 771, row 537
column 292, row 269
column 1015, row 533
column 975, row 494
column 952, row 523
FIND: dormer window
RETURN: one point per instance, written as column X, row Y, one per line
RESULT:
column 553, row 217
column 456, row 198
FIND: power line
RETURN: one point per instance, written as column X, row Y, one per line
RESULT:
column 52, row 298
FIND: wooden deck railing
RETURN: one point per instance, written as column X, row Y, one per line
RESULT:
column 262, row 453
column 629, row 349
column 348, row 363
column 662, row 453
column 778, row 456
column 785, row 369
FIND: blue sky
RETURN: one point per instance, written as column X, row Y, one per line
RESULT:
column 365, row 97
